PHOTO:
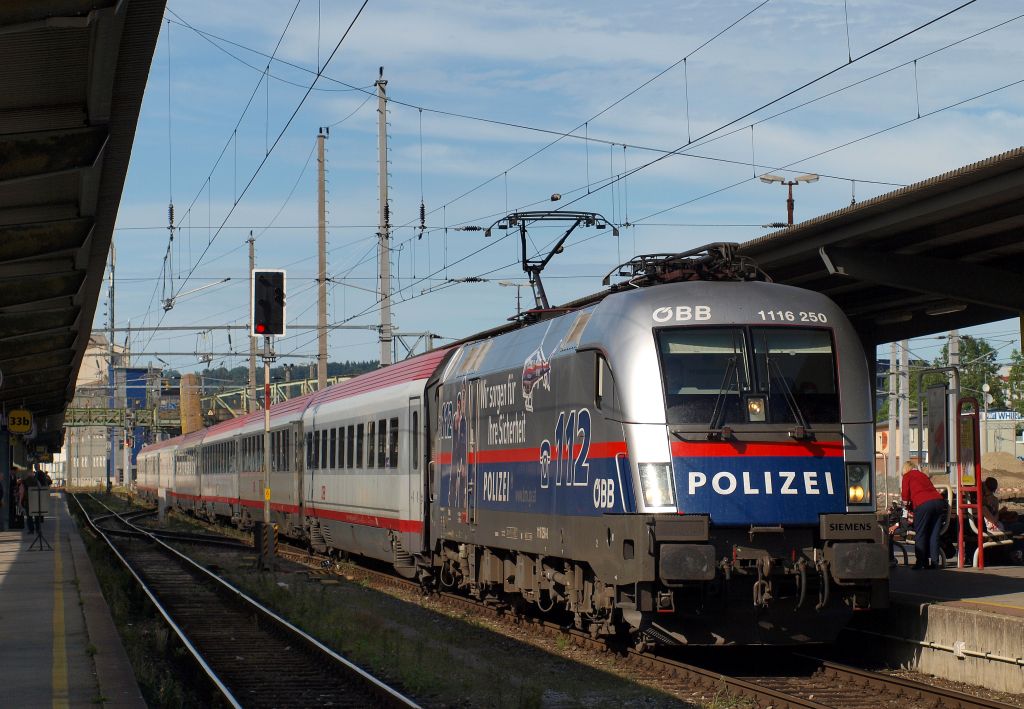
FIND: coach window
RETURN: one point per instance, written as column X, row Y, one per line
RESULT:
column 334, row 448
column 350, row 447
column 393, row 443
column 359, row 445
column 324, row 441
column 371, row 445
column 309, row 450
column 415, row 434
column 316, row 450
column 382, row 440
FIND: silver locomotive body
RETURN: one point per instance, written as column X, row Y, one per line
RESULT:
column 691, row 460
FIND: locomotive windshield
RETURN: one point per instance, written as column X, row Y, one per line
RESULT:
column 711, row 373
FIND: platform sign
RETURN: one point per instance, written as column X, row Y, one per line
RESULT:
column 38, row 501
column 19, row 421
column 938, row 414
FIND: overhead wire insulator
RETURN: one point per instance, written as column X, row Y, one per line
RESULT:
column 423, row 218
column 387, row 215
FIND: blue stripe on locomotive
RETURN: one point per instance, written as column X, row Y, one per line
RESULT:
column 796, row 490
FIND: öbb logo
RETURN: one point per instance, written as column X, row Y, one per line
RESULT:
column 682, row 313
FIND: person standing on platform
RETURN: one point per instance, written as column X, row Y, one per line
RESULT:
column 920, row 496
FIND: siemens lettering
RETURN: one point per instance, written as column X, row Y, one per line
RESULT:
column 786, row 482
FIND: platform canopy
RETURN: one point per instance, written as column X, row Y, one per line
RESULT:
column 72, row 76
column 937, row 255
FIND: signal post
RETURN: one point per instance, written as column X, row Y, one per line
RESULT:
column 268, row 319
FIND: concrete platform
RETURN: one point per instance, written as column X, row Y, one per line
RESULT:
column 962, row 624
column 58, row 644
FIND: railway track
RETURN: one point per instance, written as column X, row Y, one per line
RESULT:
column 792, row 681
column 253, row 657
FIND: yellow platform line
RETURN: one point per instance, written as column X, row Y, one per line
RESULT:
column 60, row 650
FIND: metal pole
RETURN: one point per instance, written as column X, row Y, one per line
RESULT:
column 984, row 421
column 112, row 435
column 905, row 402
column 384, row 246
column 953, row 425
column 789, row 203
column 890, row 463
column 321, row 357
column 250, row 403
column 268, row 355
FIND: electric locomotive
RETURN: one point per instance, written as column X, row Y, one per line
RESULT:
column 690, row 460
column 686, row 458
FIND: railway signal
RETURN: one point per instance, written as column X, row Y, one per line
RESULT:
column 268, row 302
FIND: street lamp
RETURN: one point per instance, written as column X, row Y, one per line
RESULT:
column 768, row 179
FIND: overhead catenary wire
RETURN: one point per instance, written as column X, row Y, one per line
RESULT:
column 625, row 171
column 796, row 90
column 270, row 149
column 207, row 182
column 371, row 309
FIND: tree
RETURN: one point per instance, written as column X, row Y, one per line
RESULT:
column 916, row 365
column 978, row 366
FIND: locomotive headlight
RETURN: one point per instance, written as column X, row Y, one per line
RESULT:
column 858, row 484
column 755, row 409
column 656, row 480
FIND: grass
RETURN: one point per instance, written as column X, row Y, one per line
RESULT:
column 439, row 659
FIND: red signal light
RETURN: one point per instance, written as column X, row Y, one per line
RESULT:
column 260, row 327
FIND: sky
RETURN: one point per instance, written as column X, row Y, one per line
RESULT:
column 494, row 107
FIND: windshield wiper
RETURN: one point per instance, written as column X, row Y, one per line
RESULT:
column 715, row 431
column 802, row 430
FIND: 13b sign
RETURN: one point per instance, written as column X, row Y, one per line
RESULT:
column 19, row 421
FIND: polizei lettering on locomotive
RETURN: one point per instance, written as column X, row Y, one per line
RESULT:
column 782, row 482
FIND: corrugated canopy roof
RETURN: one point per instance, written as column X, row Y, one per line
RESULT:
column 941, row 254
column 72, row 76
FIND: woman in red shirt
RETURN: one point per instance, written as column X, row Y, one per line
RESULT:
column 920, row 495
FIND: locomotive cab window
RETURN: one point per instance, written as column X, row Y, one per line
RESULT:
column 721, row 376
column 705, row 374
column 796, row 369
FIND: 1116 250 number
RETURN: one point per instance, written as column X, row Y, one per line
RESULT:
column 792, row 316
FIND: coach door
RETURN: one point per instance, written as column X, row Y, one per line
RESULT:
column 417, row 479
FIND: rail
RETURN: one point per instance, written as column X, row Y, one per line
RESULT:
column 269, row 626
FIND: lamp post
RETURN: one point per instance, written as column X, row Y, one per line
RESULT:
column 768, row 179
